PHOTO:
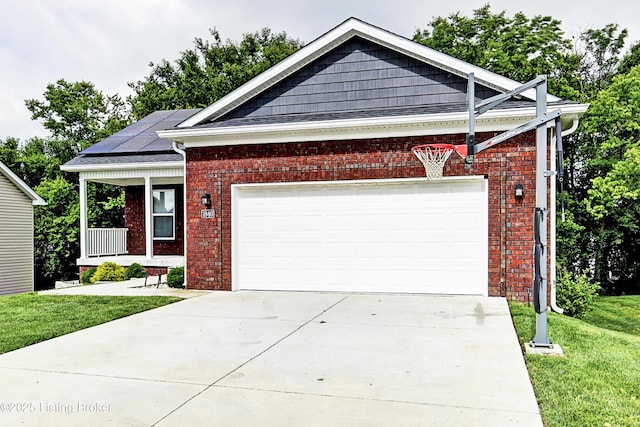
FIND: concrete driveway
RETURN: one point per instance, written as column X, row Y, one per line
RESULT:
column 280, row 359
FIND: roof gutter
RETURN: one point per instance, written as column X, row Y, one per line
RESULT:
column 361, row 128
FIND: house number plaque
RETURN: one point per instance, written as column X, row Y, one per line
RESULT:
column 208, row 213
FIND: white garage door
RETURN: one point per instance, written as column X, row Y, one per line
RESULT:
column 401, row 235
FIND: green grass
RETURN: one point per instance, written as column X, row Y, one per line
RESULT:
column 616, row 313
column 597, row 382
column 30, row 318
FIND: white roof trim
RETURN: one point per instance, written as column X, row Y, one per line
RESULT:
column 122, row 166
column 343, row 32
column 22, row 186
column 364, row 128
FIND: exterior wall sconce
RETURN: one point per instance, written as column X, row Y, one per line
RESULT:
column 519, row 191
column 206, row 199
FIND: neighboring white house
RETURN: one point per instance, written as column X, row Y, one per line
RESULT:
column 16, row 233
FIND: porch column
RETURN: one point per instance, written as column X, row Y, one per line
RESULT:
column 83, row 217
column 148, row 217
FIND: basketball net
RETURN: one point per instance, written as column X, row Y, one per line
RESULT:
column 433, row 157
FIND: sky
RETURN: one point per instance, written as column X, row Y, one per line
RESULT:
column 111, row 43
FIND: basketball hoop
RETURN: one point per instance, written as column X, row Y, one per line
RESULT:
column 434, row 156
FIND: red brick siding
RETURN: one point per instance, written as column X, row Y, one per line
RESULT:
column 134, row 221
column 214, row 169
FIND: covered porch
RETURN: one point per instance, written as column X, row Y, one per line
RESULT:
column 151, row 170
column 153, row 235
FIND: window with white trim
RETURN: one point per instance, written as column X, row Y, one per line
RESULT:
column 164, row 214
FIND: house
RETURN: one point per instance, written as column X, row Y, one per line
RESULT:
column 304, row 179
column 16, row 233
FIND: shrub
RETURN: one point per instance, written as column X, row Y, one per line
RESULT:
column 175, row 278
column 576, row 294
column 108, row 272
column 86, row 275
column 135, row 270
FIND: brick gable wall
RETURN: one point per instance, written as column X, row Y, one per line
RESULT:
column 214, row 169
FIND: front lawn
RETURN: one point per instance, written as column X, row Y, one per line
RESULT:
column 30, row 318
column 616, row 313
column 597, row 382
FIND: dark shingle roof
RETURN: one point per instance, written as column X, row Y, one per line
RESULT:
column 137, row 143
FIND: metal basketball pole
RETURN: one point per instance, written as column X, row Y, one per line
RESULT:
column 541, row 211
column 541, row 214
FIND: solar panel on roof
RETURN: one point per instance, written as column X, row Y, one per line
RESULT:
column 183, row 115
column 106, row 145
column 141, row 136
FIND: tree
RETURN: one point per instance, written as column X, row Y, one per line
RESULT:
column 56, row 232
column 9, row 154
column 78, row 116
column 630, row 60
column 520, row 48
column 599, row 53
column 613, row 126
column 209, row 71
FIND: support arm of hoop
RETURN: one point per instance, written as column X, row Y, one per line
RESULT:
column 530, row 125
column 489, row 103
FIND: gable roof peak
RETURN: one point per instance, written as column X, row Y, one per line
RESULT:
column 352, row 27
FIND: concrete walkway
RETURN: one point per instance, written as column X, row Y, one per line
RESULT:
column 132, row 287
column 280, row 359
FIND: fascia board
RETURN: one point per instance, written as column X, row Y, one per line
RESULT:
column 494, row 120
column 385, row 127
column 121, row 166
column 36, row 200
column 337, row 36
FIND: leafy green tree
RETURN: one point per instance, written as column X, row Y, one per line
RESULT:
column 56, row 231
column 581, row 242
column 517, row 47
column 630, row 59
column 613, row 124
column 9, row 154
column 77, row 115
column 599, row 50
column 37, row 162
column 209, row 71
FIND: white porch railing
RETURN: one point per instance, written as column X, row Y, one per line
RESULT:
column 106, row 241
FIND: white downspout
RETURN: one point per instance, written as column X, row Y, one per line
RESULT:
column 183, row 153
column 553, row 221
